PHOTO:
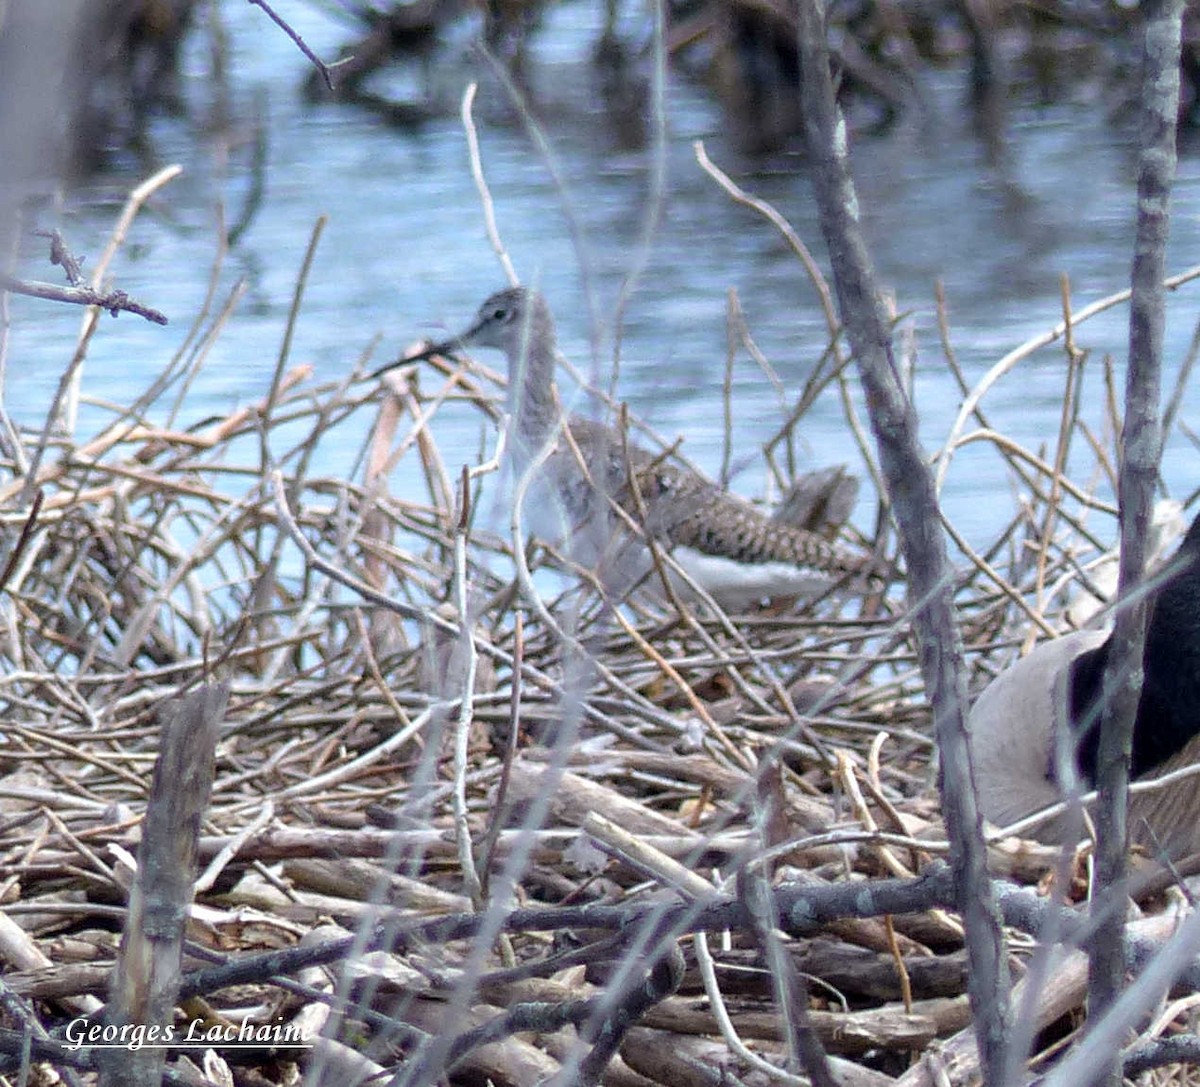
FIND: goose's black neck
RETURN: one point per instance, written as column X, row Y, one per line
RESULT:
column 1168, row 713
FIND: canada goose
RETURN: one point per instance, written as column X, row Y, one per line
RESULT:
column 728, row 547
column 1012, row 723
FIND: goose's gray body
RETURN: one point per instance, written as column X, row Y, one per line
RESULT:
column 1011, row 727
column 1014, row 723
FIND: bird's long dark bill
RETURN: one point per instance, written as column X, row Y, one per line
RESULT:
column 448, row 348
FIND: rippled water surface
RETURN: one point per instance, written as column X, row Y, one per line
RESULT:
column 405, row 255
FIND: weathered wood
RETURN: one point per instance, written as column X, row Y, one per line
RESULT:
column 147, row 977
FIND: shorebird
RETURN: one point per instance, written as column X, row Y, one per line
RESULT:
column 1015, row 724
column 597, row 493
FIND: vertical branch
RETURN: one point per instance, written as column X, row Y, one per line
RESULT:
column 910, row 489
column 466, row 704
column 656, row 197
column 1141, row 448
column 147, row 978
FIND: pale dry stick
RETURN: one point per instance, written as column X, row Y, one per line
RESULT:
column 575, row 229
column 1011, row 448
column 646, row 857
column 1103, row 462
column 849, row 783
column 727, row 390
column 1069, row 409
column 25, row 487
column 875, row 782
column 349, row 770
column 741, row 332
column 289, row 332
column 913, row 494
column 231, row 783
column 1112, row 403
column 67, row 749
column 906, row 995
column 91, row 318
column 133, row 205
column 496, row 461
column 1172, row 1012
column 466, row 706
column 1019, row 354
column 1175, row 400
column 123, row 475
column 193, row 332
column 1139, row 471
column 373, row 462
column 437, row 478
column 372, row 842
column 155, row 682
column 402, row 391
column 315, row 597
column 23, row 855
column 501, row 806
column 231, row 849
column 210, row 541
column 268, row 565
column 113, row 302
column 819, row 285
column 20, row 558
column 838, row 838
column 376, row 674
column 299, row 459
column 481, row 185
column 781, row 224
column 78, row 846
column 656, row 190
column 728, row 1031
column 21, row 951
column 1010, row 591
column 739, row 757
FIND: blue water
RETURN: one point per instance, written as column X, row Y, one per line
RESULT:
column 405, row 255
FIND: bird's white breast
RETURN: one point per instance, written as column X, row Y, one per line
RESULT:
column 737, row 586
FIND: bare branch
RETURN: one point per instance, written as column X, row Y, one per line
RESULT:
column 910, row 488
column 1141, row 448
column 301, row 44
column 112, row 302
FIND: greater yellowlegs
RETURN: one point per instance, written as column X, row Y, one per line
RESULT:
column 595, row 492
column 1017, row 720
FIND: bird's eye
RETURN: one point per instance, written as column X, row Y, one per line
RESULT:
column 500, row 313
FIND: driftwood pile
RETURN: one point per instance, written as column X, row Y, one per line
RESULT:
column 539, row 844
